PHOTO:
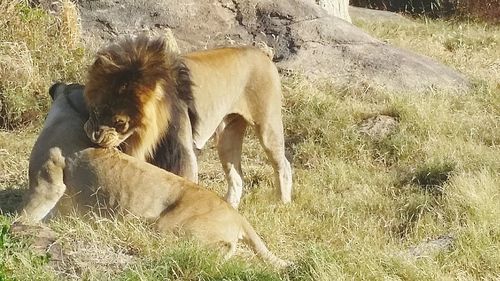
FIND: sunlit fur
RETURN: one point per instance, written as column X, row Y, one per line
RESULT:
column 140, row 79
column 176, row 102
column 111, row 183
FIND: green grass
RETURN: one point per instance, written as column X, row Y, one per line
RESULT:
column 359, row 203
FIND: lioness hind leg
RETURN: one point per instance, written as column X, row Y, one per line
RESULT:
column 272, row 140
column 229, row 144
column 49, row 189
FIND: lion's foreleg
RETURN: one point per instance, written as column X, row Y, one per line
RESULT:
column 189, row 164
column 229, row 145
column 49, row 189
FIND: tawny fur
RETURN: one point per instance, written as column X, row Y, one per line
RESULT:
column 62, row 128
column 228, row 89
column 120, row 182
column 106, row 180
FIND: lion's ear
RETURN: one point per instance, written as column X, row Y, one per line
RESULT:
column 104, row 62
column 170, row 42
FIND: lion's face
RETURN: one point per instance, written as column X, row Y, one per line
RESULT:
column 108, row 130
column 114, row 114
column 124, row 85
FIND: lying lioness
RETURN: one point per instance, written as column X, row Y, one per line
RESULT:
column 106, row 180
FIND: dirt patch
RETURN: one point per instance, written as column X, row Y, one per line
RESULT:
column 378, row 127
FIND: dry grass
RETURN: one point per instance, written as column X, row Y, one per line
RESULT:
column 35, row 50
column 471, row 48
column 361, row 205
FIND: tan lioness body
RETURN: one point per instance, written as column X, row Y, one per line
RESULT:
column 159, row 106
column 63, row 129
column 106, row 180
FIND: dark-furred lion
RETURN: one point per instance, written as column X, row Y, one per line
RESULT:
column 160, row 106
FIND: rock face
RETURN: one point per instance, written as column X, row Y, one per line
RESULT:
column 305, row 38
column 338, row 8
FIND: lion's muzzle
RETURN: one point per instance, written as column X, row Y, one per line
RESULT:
column 105, row 136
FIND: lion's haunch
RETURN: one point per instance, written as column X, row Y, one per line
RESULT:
column 107, row 181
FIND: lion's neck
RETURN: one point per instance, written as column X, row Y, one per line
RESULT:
column 143, row 142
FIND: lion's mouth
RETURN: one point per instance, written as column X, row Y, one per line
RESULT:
column 106, row 137
column 112, row 139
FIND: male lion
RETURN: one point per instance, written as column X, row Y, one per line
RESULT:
column 107, row 181
column 156, row 104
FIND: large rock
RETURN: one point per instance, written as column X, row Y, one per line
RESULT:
column 305, row 38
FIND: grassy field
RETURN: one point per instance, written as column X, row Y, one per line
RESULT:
column 364, row 208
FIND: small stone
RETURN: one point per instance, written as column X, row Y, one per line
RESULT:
column 378, row 127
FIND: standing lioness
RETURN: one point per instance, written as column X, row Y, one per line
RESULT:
column 159, row 106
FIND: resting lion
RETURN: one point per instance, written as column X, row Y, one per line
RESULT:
column 156, row 104
column 63, row 128
column 106, row 181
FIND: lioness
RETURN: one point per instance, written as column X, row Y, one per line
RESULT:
column 106, row 180
column 63, row 128
column 155, row 104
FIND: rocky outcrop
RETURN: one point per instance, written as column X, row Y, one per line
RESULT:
column 305, row 38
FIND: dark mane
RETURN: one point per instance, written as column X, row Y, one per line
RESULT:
column 170, row 153
column 128, row 73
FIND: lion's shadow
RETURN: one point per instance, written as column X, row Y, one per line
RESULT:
column 10, row 200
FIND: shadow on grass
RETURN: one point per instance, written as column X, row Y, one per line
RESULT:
column 421, row 193
column 10, row 200
column 431, row 178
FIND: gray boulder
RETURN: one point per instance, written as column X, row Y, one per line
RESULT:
column 305, row 39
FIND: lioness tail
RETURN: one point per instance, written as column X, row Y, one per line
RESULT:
column 255, row 242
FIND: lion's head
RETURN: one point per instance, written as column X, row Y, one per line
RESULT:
column 133, row 92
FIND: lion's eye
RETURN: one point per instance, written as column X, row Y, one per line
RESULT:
column 123, row 88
